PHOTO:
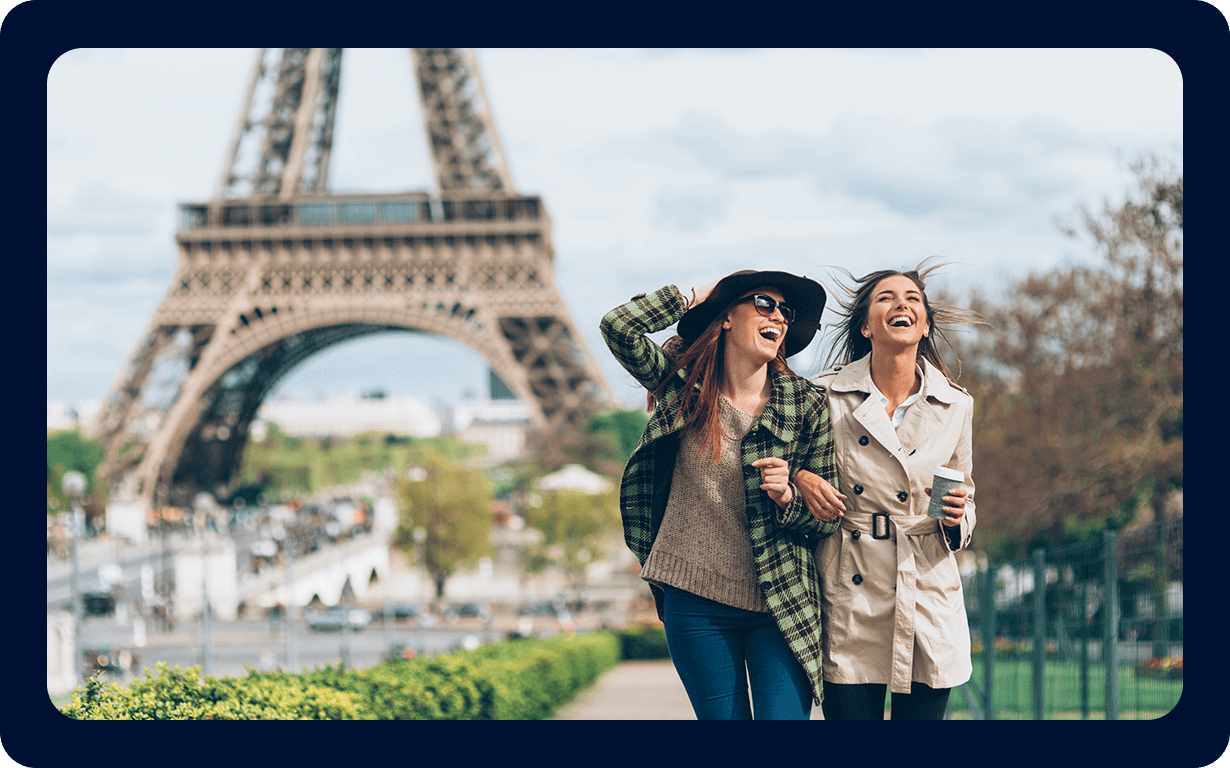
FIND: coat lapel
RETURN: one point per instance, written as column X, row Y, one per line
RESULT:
column 926, row 415
column 780, row 415
column 856, row 377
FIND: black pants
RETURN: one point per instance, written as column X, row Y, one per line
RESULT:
column 866, row 702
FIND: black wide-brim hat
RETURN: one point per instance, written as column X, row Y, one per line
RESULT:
column 805, row 295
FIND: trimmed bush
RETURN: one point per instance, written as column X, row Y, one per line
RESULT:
column 524, row 679
column 643, row 642
column 189, row 695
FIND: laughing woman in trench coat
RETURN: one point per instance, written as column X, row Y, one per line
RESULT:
column 891, row 593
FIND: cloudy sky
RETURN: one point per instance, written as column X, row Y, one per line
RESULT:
column 657, row 166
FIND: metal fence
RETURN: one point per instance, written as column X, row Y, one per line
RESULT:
column 1101, row 639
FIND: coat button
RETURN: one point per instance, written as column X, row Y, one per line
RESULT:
column 757, row 551
column 863, row 440
column 855, row 535
column 857, row 579
column 764, row 586
column 902, row 495
column 858, row 489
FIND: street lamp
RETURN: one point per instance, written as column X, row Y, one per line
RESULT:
column 203, row 504
column 73, row 484
column 292, row 647
column 420, row 537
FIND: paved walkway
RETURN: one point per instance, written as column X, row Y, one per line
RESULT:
column 636, row 690
column 632, row 690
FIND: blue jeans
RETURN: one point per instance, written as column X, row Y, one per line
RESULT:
column 717, row 649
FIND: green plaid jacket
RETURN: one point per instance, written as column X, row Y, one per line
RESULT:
column 794, row 426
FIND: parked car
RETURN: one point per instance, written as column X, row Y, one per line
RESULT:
column 421, row 615
column 398, row 611
column 97, row 601
column 468, row 610
column 335, row 618
column 544, row 608
column 555, row 609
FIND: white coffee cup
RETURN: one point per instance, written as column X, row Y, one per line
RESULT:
column 943, row 481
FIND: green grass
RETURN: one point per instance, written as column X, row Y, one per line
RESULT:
column 1139, row 698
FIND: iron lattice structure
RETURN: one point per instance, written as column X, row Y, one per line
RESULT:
column 274, row 269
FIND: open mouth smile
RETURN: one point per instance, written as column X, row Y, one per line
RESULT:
column 772, row 333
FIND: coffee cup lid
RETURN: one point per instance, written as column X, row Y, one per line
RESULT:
column 950, row 474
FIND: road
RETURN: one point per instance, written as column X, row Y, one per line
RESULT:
column 261, row 645
column 59, row 593
column 252, row 641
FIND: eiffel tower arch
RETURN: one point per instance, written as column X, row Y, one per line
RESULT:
column 274, row 269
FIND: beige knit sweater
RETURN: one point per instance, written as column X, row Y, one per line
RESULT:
column 703, row 545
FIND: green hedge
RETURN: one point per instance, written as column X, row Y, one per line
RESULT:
column 524, row 679
column 176, row 694
column 643, row 642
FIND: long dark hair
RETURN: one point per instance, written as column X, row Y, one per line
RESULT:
column 851, row 344
column 702, row 361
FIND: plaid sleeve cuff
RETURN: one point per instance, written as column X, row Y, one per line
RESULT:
column 796, row 517
column 626, row 327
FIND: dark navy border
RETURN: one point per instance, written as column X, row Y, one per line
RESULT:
column 1192, row 33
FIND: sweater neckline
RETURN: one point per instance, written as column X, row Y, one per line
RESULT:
column 739, row 410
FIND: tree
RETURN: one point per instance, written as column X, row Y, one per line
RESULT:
column 452, row 504
column 68, row 450
column 575, row 525
column 1078, row 384
column 604, row 446
column 625, row 426
column 275, row 437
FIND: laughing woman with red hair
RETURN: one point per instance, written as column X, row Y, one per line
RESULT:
column 707, row 501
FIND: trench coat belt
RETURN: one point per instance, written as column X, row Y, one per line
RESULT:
column 908, row 530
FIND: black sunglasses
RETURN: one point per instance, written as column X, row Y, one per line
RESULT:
column 766, row 304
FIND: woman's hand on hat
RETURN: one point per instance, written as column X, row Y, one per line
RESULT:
column 775, row 480
column 701, row 293
column 822, row 499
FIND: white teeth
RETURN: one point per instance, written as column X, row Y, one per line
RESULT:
column 771, row 333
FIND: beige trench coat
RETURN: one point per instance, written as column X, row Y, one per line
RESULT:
column 894, row 608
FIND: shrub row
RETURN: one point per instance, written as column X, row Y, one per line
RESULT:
column 526, row 679
column 647, row 641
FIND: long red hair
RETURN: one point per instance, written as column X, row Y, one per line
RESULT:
column 702, row 361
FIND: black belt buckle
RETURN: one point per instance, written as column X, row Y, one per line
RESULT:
column 879, row 520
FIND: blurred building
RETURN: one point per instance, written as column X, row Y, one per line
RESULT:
column 343, row 416
column 501, row 425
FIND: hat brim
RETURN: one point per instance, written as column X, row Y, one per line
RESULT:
column 805, row 295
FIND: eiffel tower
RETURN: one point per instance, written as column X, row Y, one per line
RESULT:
column 274, row 269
